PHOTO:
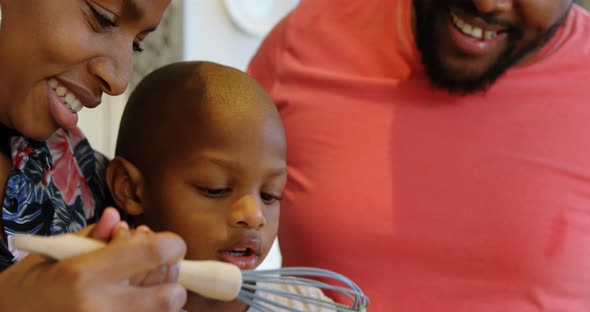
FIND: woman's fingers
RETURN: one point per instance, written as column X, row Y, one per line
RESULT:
column 166, row 297
column 133, row 245
column 126, row 256
column 165, row 273
column 103, row 229
column 83, row 288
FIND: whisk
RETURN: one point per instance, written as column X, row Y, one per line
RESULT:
column 224, row 281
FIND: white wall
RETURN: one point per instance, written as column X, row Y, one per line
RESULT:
column 101, row 124
column 210, row 35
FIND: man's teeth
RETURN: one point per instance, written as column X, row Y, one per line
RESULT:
column 473, row 31
column 68, row 97
column 53, row 83
column 61, row 91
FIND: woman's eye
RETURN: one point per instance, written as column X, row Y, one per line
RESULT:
column 102, row 19
column 269, row 199
column 137, row 47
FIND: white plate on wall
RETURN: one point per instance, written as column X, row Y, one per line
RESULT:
column 258, row 17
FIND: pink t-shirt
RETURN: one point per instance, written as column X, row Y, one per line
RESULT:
column 432, row 202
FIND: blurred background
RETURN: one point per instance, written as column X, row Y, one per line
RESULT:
column 223, row 31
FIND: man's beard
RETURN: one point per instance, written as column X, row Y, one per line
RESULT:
column 428, row 44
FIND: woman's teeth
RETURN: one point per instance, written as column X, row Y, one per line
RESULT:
column 473, row 31
column 68, row 97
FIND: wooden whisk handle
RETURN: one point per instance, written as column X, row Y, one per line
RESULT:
column 211, row 279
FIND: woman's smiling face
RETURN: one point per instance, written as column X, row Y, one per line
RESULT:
column 59, row 56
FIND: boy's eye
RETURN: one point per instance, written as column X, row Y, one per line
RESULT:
column 269, row 199
column 214, row 193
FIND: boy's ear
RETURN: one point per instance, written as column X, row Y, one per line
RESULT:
column 125, row 183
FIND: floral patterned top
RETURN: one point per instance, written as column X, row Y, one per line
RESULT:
column 53, row 187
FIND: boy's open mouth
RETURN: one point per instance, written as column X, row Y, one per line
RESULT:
column 245, row 254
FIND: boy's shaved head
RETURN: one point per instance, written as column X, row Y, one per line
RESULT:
column 179, row 103
column 202, row 153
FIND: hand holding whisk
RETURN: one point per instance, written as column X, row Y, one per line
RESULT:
column 224, row 281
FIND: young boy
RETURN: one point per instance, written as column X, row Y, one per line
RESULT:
column 201, row 152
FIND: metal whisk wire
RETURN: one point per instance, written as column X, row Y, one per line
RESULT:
column 253, row 294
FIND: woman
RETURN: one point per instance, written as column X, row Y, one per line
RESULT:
column 57, row 57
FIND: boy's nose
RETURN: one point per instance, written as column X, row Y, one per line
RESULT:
column 248, row 212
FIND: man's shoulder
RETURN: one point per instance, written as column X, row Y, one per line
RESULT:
column 583, row 13
column 568, row 53
column 579, row 24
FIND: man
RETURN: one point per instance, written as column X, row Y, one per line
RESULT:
column 438, row 149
